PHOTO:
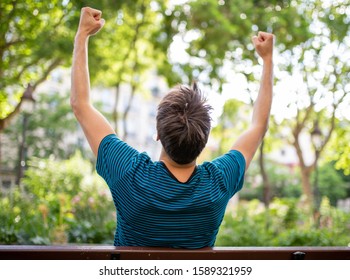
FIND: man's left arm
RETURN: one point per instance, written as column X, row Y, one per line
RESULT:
column 93, row 123
column 250, row 140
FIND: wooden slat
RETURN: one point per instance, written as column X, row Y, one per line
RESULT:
column 237, row 253
column 24, row 252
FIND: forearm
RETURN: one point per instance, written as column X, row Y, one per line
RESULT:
column 80, row 83
column 262, row 106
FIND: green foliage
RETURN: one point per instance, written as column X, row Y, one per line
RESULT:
column 339, row 148
column 220, row 28
column 48, row 128
column 62, row 201
column 28, row 56
column 285, row 223
column 335, row 16
column 285, row 182
column 228, row 126
column 243, row 228
column 331, row 184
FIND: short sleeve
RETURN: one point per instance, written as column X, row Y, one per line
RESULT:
column 232, row 166
column 114, row 158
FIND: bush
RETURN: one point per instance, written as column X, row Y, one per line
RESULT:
column 63, row 201
column 285, row 223
column 331, row 184
column 283, row 182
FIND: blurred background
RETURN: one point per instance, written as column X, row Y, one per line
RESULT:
column 297, row 190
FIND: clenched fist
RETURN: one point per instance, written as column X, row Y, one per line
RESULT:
column 90, row 21
column 263, row 44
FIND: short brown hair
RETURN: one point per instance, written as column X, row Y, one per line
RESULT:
column 183, row 123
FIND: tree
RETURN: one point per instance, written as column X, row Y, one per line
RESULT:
column 311, row 41
column 320, row 66
column 33, row 42
column 218, row 35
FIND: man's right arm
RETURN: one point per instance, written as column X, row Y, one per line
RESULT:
column 249, row 141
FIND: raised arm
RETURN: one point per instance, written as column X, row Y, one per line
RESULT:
column 94, row 125
column 249, row 141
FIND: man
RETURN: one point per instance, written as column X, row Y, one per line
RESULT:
column 171, row 202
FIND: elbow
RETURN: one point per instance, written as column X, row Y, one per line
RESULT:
column 74, row 105
column 77, row 106
column 262, row 127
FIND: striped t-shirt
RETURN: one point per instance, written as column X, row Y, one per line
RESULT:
column 155, row 209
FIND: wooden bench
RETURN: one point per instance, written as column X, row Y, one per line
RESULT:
column 78, row 252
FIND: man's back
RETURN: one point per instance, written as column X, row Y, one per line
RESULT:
column 155, row 209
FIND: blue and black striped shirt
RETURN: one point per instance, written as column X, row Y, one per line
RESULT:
column 155, row 209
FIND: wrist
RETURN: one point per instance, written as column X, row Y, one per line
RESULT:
column 80, row 37
column 268, row 60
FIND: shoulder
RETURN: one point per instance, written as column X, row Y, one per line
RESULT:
column 230, row 168
column 232, row 157
column 111, row 143
column 110, row 139
column 114, row 158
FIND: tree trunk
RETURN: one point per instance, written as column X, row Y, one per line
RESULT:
column 305, row 170
column 115, row 108
column 0, row 155
column 265, row 176
column 22, row 155
column 126, row 111
column 306, row 185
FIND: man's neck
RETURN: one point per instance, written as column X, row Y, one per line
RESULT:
column 182, row 172
column 164, row 157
